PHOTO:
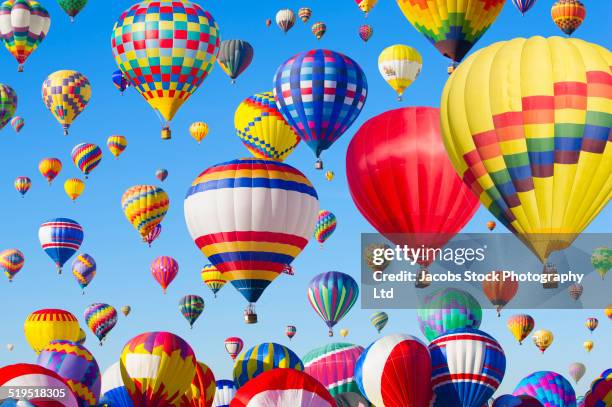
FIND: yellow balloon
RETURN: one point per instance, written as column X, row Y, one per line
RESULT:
column 46, row 325
column 198, row 131
column 399, row 66
column 74, row 187
column 588, row 345
column 145, row 207
column 66, row 93
column 366, row 5
column 344, row 332
column 329, row 175
column 543, row 339
column 526, row 125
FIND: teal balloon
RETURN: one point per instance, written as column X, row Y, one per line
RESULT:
column 448, row 309
column 191, row 306
column 379, row 320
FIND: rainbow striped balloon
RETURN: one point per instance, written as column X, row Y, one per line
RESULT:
column 23, row 184
column 262, row 358
column 333, row 365
column 84, row 269
column 8, row 104
column 191, row 306
column 17, row 122
column 213, row 278
column 116, row 144
column 332, row 295
column 549, row 388
column 379, row 320
column 11, row 262
column 145, row 207
column 101, row 319
column 326, row 225
column 86, row 157
column 60, row 238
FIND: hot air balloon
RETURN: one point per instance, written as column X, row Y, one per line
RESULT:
column 22, row 185
column 325, row 226
column 153, row 234
column 251, row 243
column 86, row 157
column 84, row 270
column 262, row 358
column 329, row 175
column 113, row 391
column 191, row 306
column 575, row 291
column 453, row 28
column 33, row 376
column 395, row 362
column 125, row 310
column 290, row 331
column 467, row 367
column 549, row 388
column 568, row 15
column 156, row 368
column 46, row 325
column 577, row 370
column 491, row 225
column 17, row 123
column 600, row 393
column 516, row 189
column 366, row 5
column 520, row 326
column 283, row 387
column 333, row 365
column 164, row 269
column 49, row 168
column 82, row 337
column 608, row 311
column 588, row 345
column 120, row 81
column 145, row 207
column 499, row 289
column 344, row 332
column 591, row 324
column 403, row 183
column 318, row 29
column 10, row 347
column 379, row 320
column 365, row 32
column 225, row 393
column 161, row 174
column 233, row 346
column 116, row 144
column 60, row 238
column 542, row 339
column 213, row 278
column 262, row 129
column 72, row 7
column 24, row 24
column 332, row 295
column 101, row 319
column 66, row 94
column 368, row 254
column 77, row 366
column 523, row 5
column 74, row 187
column 399, row 66
column 268, row 22
column 446, row 310
column 11, row 262
column 189, row 47
column 602, row 260
column 285, row 19
column 234, row 57
column 198, row 131
column 304, row 14
column 202, row 390
column 8, row 104
column 320, row 93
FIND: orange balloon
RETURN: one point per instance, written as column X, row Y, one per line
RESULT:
column 499, row 290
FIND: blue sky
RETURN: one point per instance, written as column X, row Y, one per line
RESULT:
column 123, row 261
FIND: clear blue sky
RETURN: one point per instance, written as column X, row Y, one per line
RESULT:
column 123, row 261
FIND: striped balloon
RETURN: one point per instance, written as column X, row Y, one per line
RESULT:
column 66, row 94
column 33, row 376
column 198, row 131
column 164, row 269
column 568, row 15
column 113, row 391
column 23, row 184
column 82, row 337
column 320, row 93
column 549, row 388
column 576, row 370
column 395, row 362
column 379, row 320
column 575, row 291
column 225, row 393
column 448, row 309
column 332, row 295
column 153, row 234
column 326, row 225
column 285, row 19
column 591, row 323
column 365, row 32
column 145, row 207
column 304, row 13
column 84, row 269
column 49, row 168
column 290, row 331
column 520, row 326
column 17, row 123
column 120, row 81
column 75, row 364
column 523, row 5
column 262, row 358
column 86, row 157
column 234, row 57
column 8, row 104
column 11, row 262
column 60, row 238
column 265, row 211
column 333, row 365
column 213, row 278
column 116, row 144
column 101, row 319
column 233, row 346
column 467, row 367
column 161, row 174
column 318, row 29
column 46, row 325
column 191, row 306
column 202, row 390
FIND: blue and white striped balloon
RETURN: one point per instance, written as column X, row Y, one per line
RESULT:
column 60, row 238
column 225, row 393
column 113, row 390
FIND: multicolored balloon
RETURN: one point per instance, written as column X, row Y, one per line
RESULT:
column 84, row 269
column 86, row 157
column 153, row 234
column 549, row 388
column 285, row 19
column 523, row 5
column 303, row 80
column 213, row 278
column 49, row 168
column 234, row 57
column 101, row 319
column 164, row 269
column 491, row 225
column 543, row 338
column 333, row 365
column 520, row 326
column 145, row 207
column 156, row 368
column 46, row 325
column 74, row 187
column 66, row 94
column 161, row 174
column 120, row 81
column 608, row 311
column 575, row 291
column 17, row 122
column 329, row 175
column 262, row 358
column 116, row 144
column 202, row 390
column 400, row 65
column 191, row 59
column 468, row 365
column 22, row 185
column 304, row 14
column 125, row 310
column 510, row 179
column 332, row 295
column 318, row 29
column 262, row 129
column 11, row 262
column 191, row 306
column 325, row 226
column 198, row 131
column 379, row 320
column 290, row 331
column 395, row 362
column 72, row 7
column 225, row 393
column 60, row 238
column 366, row 5
column 77, row 366
column 233, row 346
column 113, row 391
column 568, row 15
column 602, row 260
column 82, row 337
column 8, row 104
column 576, row 370
column 365, row 32
column 591, row 323
column 24, row 375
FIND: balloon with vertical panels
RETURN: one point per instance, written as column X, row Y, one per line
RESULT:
column 568, row 15
column 46, row 325
column 101, row 319
column 126, row 309
column 262, row 358
column 27, row 375
column 198, row 131
column 233, row 346
column 22, row 185
column 225, row 393
column 201, row 392
column 164, row 269
column 591, row 323
column 66, row 93
column 144, row 207
column 523, row 5
column 120, row 81
column 84, row 269
column 82, row 337
column 116, row 144
column 331, row 296
column 11, row 262
column 113, row 391
column 8, row 104
column 72, row 7
column 333, row 365
column 60, row 238
column 304, row 13
column 285, row 19
column 17, row 122
column 499, row 289
column 234, row 57
column 74, row 187
column 153, row 234
column 191, row 307
column 520, row 326
column 290, row 331
column 549, row 388
column 576, row 370
column 213, row 278
column 49, row 168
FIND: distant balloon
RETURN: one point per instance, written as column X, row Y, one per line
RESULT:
column 66, row 94
column 74, row 187
column 318, row 29
column 577, row 370
column 491, row 225
column 29, row 376
column 8, row 104
column 608, row 311
column 113, row 391
column 500, row 290
column 202, row 390
column 120, row 81
column 49, row 168
column 101, row 319
column 116, row 144
column 379, row 320
column 448, row 309
column 329, row 175
column 46, row 325
column 145, row 207
column 591, row 323
column 588, row 346
column 366, row 5
column 191, row 306
column 332, row 295
column 22, row 185
column 225, row 393
column 10, row 347
column 520, row 326
column 602, row 260
column 60, row 238
column 543, row 339
column 233, row 346
column 333, row 365
column 344, row 332
column 86, row 157
column 164, row 269
column 568, row 15
column 262, row 358
column 161, row 174
column 549, row 388
column 304, row 13
column 325, row 226
column 153, row 234
column 125, row 310
column 11, row 262
column 213, row 278
column 400, row 65
column 285, row 19
column 84, row 269
column 523, row 5
column 268, row 22
column 290, row 331
column 365, row 32
column 17, row 123
column 198, row 131
column 234, row 57
column 72, row 7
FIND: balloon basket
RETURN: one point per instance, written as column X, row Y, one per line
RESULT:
column 330, row 333
column 166, row 133
column 318, row 165
column 250, row 318
column 20, row 68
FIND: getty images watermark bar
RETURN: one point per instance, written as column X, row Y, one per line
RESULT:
column 543, row 271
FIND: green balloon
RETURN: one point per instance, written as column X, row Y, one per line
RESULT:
column 72, row 7
column 602, row 260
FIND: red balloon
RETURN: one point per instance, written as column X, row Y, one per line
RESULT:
column 403, row 182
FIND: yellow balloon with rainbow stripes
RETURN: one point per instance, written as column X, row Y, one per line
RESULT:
column 399, row 66
column 145, row 207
